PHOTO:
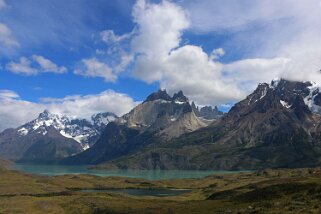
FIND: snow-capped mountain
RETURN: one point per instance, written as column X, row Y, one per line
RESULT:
column 81, row 130
column 51, row 137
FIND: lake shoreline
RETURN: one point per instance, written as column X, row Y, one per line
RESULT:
column 55, row 170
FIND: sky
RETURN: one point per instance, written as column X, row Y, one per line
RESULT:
column 81, row 57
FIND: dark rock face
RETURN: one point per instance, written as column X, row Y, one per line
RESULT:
column 180, row 97
column 159, row 95
column 50, row 149
column 273, row 127
column 36, row 147
column 115, row 141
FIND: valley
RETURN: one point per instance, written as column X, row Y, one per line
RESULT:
column 272, row 191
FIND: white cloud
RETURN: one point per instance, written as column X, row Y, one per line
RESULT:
column 248, row 73
column 21, row 67
column 37, row 64
column 286, row 45
column 48, row 66
column 117, row 52
column 2, row 4
column 190, row 69
column 217, row 53
column 109, row 36
column 6, row 38
column 160, row 27
column 15, row 111
column 94, row 68
column 162, row 59
column 287, row 29
column 8, row 94
column 218, row 15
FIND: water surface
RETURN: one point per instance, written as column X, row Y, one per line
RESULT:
column 53, row 170
column 142, row 192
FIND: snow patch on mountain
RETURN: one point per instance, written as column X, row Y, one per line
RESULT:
column 275, row 82
column 80, row 130
column 285, row 104
column 310, row 99
column 23, row 131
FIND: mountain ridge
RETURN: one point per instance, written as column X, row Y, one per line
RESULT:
column 277, row 125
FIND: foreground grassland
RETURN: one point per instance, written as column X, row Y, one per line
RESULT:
column 268, row 191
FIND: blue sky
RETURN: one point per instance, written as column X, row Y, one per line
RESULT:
column 80, row 57
column 65, row 32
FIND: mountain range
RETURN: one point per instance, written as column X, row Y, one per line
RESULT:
column 278, row 125
column 159, row 118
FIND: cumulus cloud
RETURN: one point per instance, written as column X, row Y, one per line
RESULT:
column 23, row 66
column 94, row 68
column 286, row 29
column 6, row 38
column 160, row 27
column 33, row 66
column 14, row 111
column 286, row 45
column 190, row 69
column 217, row 53
column 48, row 66
column 161, row 58
column 248, row 73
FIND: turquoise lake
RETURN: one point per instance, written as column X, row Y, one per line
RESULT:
column 142, row 192
column 54, row 170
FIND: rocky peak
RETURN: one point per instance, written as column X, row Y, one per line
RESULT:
column 194, row 107
column 180, row 97
column 280, row 95
column 45, row 114
column 159, row 95
column 158, row 112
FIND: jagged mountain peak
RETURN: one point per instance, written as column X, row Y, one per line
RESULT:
column 180, row 97
column 162, row 94
column 207, row 112
column 45, row 113
column 159, row 95
column 280, row 91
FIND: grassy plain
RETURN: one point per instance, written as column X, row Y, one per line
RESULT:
column 267, row 191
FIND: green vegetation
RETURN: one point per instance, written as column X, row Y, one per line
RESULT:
column 267, row 191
